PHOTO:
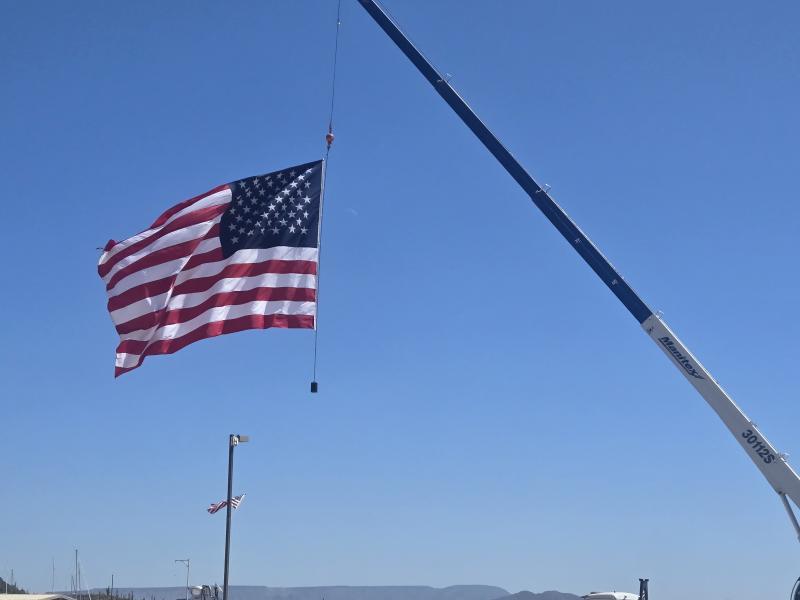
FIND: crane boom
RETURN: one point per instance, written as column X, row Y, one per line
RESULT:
column 772, row 464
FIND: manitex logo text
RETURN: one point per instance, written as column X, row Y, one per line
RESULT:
column 667, row 342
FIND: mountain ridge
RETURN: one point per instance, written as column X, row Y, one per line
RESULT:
column 333, row 592
column 354, row 592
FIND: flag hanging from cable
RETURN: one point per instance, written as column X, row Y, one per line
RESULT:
column 235, row 502
column 242, row 256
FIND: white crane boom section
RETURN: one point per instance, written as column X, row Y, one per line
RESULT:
column 772, row 464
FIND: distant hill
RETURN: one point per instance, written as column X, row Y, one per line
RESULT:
column 338, row 592
column 549, row 595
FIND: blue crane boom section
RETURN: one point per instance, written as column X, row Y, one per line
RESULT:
column 554, row 213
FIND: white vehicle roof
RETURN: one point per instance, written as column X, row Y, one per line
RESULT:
column 35, row 597
column 611, row 596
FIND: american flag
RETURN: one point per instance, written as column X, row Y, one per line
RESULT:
column 241, row 256
column 235, row 502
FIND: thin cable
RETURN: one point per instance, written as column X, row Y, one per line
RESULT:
column 335, row 57
column 329, row 141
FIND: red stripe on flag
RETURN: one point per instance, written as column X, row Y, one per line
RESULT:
column 196, row 217
column 161, row 256
column 171, row 317
column 221, row 328
column 140, row 292
column 174, row 317
column 279, row 267
column 181, row 205
column 200, row 284
column 214, row 255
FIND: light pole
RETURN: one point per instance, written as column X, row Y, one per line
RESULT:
column 186, row 562
column 233, row 441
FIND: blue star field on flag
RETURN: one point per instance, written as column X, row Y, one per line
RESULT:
column 277, row 209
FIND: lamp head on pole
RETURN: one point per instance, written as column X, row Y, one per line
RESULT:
column 237, row 439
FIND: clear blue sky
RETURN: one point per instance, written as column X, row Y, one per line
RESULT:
column 489, row 413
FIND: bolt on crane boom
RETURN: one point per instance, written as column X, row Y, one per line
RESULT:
column 772, row 464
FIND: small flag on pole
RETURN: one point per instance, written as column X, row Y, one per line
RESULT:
column 235, row 502
column 241, row 256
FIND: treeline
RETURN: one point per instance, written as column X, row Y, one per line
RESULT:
column 10, row 588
